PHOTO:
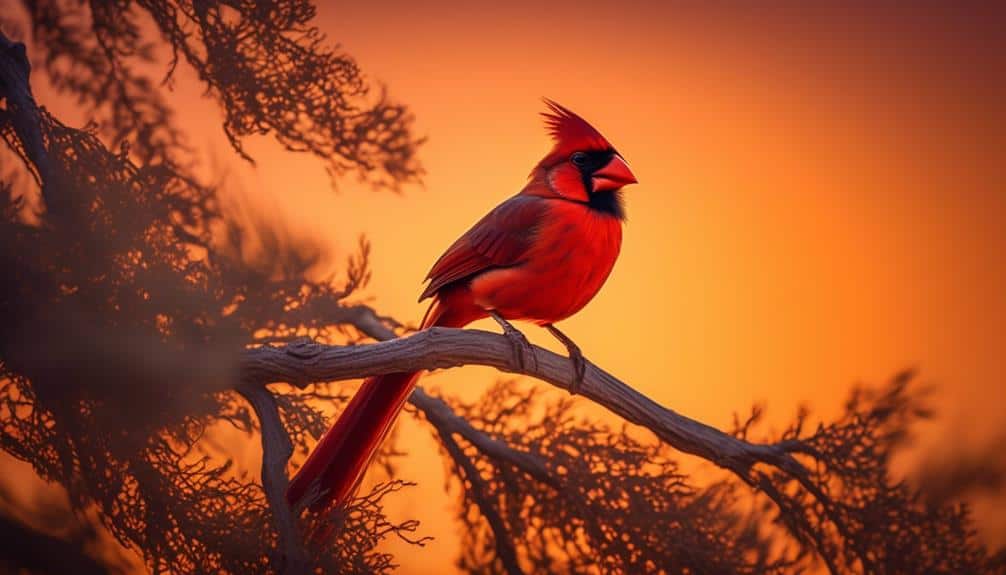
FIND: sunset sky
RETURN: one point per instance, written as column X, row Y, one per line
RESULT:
column 822, row 196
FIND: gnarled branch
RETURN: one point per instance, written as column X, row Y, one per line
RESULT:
column 303, row 363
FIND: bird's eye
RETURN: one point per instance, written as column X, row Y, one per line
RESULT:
column 578, row 159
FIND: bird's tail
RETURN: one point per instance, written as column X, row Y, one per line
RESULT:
column 334, row 469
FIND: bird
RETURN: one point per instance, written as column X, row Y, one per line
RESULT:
column 539, row 256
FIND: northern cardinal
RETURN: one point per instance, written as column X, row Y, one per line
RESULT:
column 539, row 256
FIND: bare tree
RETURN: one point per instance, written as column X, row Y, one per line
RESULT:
column 135, row 333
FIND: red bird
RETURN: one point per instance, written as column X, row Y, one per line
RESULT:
column 539, row 256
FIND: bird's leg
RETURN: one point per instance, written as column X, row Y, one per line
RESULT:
column 575, row 357
column 521, row 346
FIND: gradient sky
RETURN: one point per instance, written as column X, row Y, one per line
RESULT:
column 822, row 195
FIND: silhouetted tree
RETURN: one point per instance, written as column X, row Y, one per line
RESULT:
column 137, row 329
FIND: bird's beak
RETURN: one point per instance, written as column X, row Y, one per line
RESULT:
column 613, row 176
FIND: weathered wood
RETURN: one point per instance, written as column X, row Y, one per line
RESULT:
column 303, row 363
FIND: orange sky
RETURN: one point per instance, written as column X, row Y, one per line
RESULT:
column 821, row 195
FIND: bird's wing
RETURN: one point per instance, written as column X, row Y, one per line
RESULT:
column 500, row 239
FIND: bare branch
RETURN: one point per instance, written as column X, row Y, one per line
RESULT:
column 303, row 363
column 276, row 451
column 503, row 540
column 446, row 420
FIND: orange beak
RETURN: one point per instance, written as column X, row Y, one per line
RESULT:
column 613, row 176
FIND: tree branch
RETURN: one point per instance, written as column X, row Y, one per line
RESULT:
column 303, row 363
column 447, row 421
column 276, row 451
column 504, row 542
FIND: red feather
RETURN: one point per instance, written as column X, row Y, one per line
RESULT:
column 498, row 240
column 570, row 131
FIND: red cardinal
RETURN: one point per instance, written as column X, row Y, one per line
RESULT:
column 539, row 256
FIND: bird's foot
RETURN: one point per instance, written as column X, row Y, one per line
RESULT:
column 522, row 349
column 575, row 357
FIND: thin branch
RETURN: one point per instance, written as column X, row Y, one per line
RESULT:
column 503, row 541
column 276, row 451
column 447, row 421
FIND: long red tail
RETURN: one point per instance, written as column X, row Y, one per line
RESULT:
column 334, row 469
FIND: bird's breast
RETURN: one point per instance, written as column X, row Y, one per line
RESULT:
column 573, row 253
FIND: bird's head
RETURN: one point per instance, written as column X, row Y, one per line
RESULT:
column 582, row 166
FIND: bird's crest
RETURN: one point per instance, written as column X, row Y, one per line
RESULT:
column 570, row 131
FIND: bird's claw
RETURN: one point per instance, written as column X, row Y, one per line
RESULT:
column 522, row 349
column 579, row 369
column 576, row 358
